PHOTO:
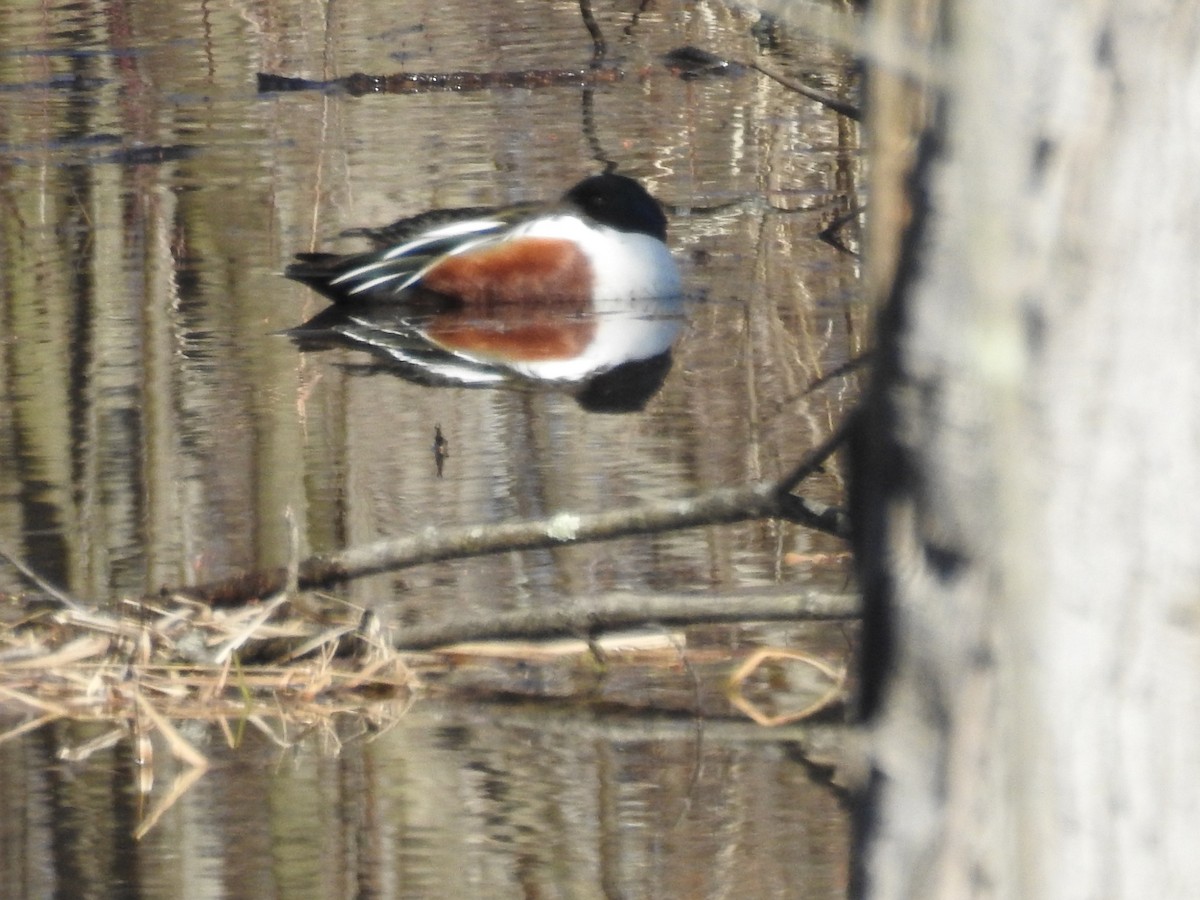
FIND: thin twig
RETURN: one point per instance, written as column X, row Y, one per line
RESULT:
column 181, row 785
column 829, row 234
column 26, row 727
column 57, row 593
column 846, row 368
column 816, row 457
column 737, row 681
column 849, row 110
column 250, row 629
column 599, row 47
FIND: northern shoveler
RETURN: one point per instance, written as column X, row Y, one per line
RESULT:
column 580, row 293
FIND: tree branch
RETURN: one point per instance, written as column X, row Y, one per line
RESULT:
column 585, row 616
column 721, row 506
column 839, row 106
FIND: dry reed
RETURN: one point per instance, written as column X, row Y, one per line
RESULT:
column 170, row 659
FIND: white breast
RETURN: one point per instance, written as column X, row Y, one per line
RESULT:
column 625, row 266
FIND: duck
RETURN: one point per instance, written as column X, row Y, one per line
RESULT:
column 579, row 294
column 603, row 240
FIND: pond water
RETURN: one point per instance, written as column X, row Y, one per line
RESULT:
column 156, row 425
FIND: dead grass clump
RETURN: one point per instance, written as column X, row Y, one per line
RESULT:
column 192, row 661
column 283, row 669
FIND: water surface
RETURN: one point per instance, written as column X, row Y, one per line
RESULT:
column 155, row 424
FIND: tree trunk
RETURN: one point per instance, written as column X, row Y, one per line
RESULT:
column 1028, row 467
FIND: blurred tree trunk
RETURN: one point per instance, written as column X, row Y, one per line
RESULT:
column 1028, row 489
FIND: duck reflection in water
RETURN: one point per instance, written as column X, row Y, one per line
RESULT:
column 579, row 296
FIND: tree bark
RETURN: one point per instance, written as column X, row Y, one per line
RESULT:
column 1028, row 467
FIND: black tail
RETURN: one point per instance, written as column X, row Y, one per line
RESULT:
column 317, row 270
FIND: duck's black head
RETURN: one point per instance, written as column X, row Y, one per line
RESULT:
column 620, row 203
